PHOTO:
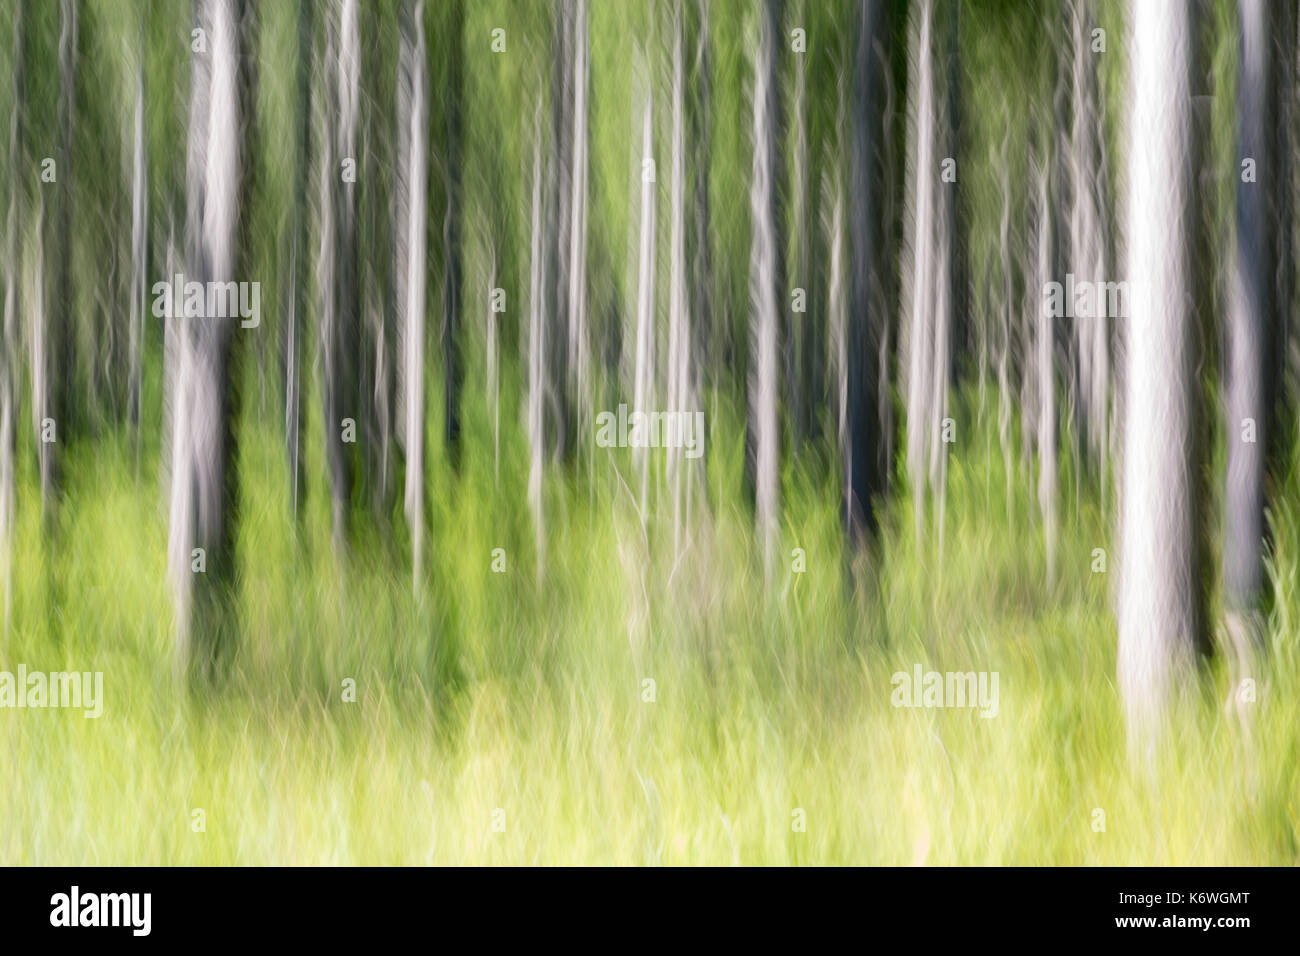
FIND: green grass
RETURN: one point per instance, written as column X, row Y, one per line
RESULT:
column 494, row 691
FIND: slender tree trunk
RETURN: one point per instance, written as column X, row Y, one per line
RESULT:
column 337, row 269
column 579, row 339
column 644, row 346
column 536, row 348
column 680, row 367
column 1006, row 327
column 375, row 238
column 764, row 288
column 411, row 188
column 139, row 247
column 203, row 490
column 1159, row 623
column 295, row 320
column 930, row 305
column 700, row 252
column 1253, row 324
column 798, row 334
column 864, row 322
column 10, row 358
column 559, row 227
column 451, row 230
column 1088, row 240
column 53, row 357
column 1044, row 358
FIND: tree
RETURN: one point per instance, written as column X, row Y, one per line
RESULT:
column 931, row 294
column 10, row 358
column 203, row 478
column 299, row 240
column 560, row 224
column 866, row 421
column 451, row 227
column 681, row 368
column 1088, row 246
column 1160, row 622
column 764, row 286
column 1253, row 326
column 411, row 205
column 336, row 268
column 139, row 245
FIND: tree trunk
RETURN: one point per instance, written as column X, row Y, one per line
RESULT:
column 451, row 230
column 411, row 193
column 864, row 322
column 337, row 270
column 1251, row 340
column 764, row 288
column 1159, row 622
column 10, row 358
column 294, row 323
column 203, row 480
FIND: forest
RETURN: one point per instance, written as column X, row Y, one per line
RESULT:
column 639, row 432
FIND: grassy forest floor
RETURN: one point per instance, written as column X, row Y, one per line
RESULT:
column 499, row 720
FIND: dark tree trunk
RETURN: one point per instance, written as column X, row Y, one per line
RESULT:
column 699, row 242
column 864, row 460
column 453, row 97
column 292, row 327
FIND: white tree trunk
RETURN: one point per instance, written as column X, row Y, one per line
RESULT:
column 1156, row 587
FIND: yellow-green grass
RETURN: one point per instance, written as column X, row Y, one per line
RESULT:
column 500, row 691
